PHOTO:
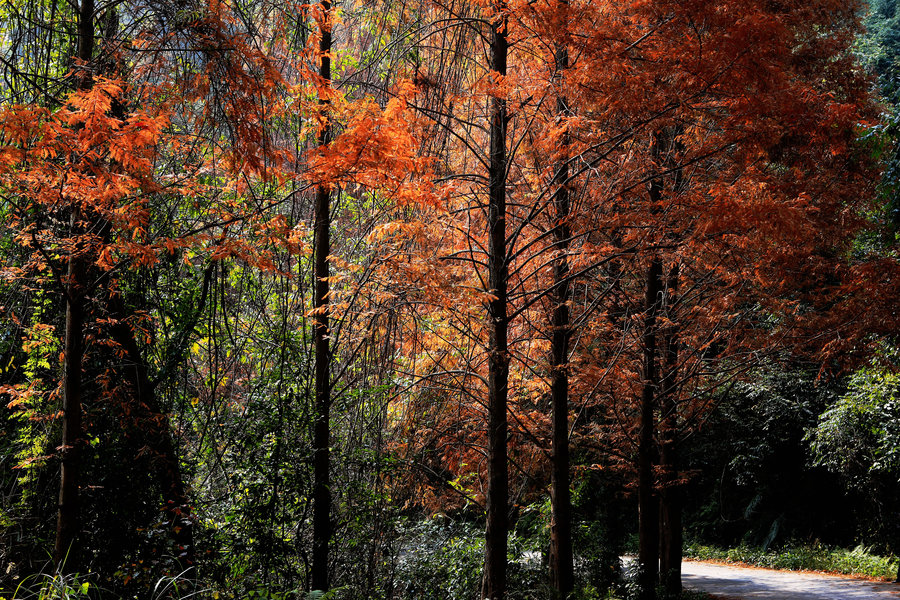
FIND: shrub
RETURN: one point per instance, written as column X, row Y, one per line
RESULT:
column 806, row 557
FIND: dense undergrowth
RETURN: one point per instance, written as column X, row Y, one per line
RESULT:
column 439, row 560
column 462, row 578
column 816, row 557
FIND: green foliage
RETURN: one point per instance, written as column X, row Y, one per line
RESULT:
column 754, row 483
column 29, row 430
column 860, row 435
column 802, row 557
column 879, row 50
column 879, row 47
column 440, row 560
column 443, row 560
column 858, row 438
column 52, row 586
column 31, row 405
column 597, row 533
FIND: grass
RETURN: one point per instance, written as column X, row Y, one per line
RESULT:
column 56, row 585
column 816, row 557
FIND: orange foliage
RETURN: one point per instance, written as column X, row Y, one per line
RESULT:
column 743, row 115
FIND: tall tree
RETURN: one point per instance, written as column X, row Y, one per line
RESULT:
column 648, row 506
column 495, row 547
column 670, row 519
column 322, row 248
column 562, row 572
column 69, row 519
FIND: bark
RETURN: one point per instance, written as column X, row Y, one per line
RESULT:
column 154, row 429
column 321, row 429
column 671, row 542
column 562, row 576
column 494, row 583
column 68, row 522
column 648, row 507
column 86, row 42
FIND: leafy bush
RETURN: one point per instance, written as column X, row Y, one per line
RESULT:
column 443, row 560
column 440, row 560
column 816, row 557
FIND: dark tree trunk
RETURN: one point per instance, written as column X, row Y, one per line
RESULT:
column 322, row 428
column 648, row 504
column 670, row 520
column 562, row 576
column 68, row 522
column 670, row 491
column 86, row 43
column 153, row 427
column 494, row 583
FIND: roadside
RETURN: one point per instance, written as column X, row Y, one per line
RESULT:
column 733, row 582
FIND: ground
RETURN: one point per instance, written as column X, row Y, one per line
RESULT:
column 746, row 583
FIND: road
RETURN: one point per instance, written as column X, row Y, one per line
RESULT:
column 746, row 583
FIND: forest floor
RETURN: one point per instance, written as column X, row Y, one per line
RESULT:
column 745, row 583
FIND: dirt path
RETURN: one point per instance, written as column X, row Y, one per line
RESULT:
column 747, row 583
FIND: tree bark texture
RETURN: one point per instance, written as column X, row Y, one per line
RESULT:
column 321, row 429
column 670, row 552
column 494, row 583
column 648, row 507
column 68, row 522
column 562, row 575
column 155, row 431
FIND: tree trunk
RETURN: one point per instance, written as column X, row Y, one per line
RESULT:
column 68, row 522
column 562, row 576
column 670, row 520
column 322, row 248
column 494, row 583
column 152, row 424
column 670, row 553
column 648, row 507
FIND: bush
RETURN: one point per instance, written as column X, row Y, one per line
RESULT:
column 443, row 560
column 815, row 557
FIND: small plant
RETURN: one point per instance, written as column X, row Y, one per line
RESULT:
column 51, row 586
column 180, row 586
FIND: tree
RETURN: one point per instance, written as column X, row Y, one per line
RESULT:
column 857, row 438
column 321, row 438
column 85, row 134
column 91, row 163
column 497, row 500
column 561, row 562
column 706, row 167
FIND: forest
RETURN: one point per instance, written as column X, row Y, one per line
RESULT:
column 443, row 299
